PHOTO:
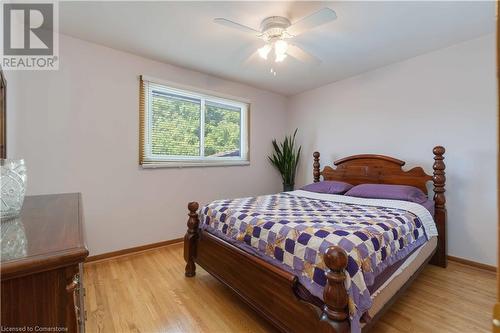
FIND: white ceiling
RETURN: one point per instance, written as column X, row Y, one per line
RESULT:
column 366, row 35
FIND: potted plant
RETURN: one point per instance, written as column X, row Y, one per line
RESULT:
column 286, row 158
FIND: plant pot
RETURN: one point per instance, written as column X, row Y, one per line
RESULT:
column 288, row 187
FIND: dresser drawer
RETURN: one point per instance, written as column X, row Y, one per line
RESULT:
column 42, row 266
column 43, row 300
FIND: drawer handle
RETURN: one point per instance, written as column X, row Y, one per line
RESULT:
column 77, row 312
column 74, row 283
column 496, row 322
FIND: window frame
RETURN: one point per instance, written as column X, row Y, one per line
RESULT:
column 149, row 160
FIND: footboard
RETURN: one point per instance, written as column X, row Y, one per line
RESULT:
column 272, row 292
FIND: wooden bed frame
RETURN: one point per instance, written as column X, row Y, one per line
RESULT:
column 276, row 294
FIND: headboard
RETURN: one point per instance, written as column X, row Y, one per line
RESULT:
column 380, row 169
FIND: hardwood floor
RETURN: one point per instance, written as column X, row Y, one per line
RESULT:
column 147, row 292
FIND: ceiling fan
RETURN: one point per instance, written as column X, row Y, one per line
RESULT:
column 277, row 32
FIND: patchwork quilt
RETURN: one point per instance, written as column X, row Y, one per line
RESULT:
column 293, row 230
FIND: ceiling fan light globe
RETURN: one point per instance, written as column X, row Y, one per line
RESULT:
column 280, row 57
column 264, row 51
column 280, row 47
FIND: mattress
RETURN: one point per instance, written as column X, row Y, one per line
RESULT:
column 293, row 230
column 394, row 283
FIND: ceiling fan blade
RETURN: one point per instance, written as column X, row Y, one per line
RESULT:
column 253, row 57
column 247, row 54
column 237, row 26
column 299, row 54
column 312, row 21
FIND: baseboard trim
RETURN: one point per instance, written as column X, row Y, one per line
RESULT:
column 473, row 263
column 131, row 250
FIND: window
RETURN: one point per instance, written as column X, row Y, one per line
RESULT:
column 180, row 127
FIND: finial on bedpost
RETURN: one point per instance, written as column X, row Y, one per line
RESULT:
column 191, row 239
column 336, row 311
column 439, row 180
column 316, row 165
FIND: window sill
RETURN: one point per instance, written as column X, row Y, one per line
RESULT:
column 193, row 164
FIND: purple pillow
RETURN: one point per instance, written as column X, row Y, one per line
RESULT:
column 383, row 191
column 328, row 186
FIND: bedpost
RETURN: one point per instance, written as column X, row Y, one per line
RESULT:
column 316, row 165
column 335, row 317
column 191, row 239
column 439, row 180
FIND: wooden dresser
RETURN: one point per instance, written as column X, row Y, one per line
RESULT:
column 41, row 271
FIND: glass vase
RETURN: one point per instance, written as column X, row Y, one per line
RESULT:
column 13, row 187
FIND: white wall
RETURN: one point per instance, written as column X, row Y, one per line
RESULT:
column 447, row 97
column 77, row 128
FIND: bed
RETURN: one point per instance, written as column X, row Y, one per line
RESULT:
column 331, row 296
